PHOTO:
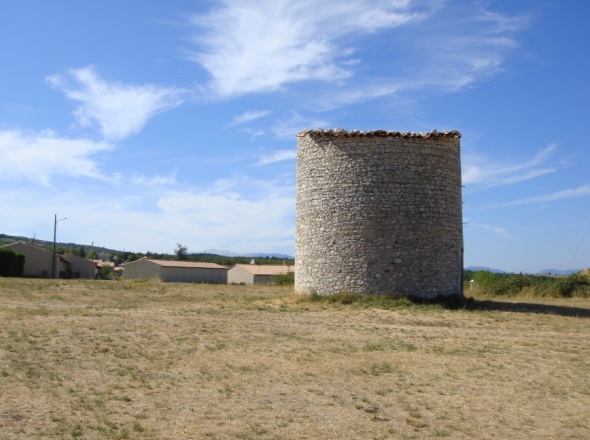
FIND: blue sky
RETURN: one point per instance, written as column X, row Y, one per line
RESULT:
column 150, row 123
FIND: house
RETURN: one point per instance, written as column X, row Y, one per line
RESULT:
column 39, row 262
column 176, row 271
column 256, row 273
column 80, row 267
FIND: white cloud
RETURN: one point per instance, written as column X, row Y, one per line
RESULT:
column 461, row 44
column 119, row 110
column 256, row 133
column 256, row 46
column 485, row 172
column 362, row 93
column 154, row 181
column 289, row 127
column 278, row 156
column 39, row 156
column 250, row 46
column 497, row 230
column 248, row 117
column 573, row 193
column 238, row 213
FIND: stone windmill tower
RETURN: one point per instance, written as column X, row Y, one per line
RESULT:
column 379, row 212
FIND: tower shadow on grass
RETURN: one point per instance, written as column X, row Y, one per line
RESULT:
column 517, row 307
column 394, row 301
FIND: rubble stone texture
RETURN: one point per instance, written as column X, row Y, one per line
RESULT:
column 379, row 212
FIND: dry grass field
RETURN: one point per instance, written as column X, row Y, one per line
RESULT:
column 148, row 360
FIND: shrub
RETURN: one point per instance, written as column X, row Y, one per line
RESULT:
column 12, row 263
column 6, row 262
column 542, row 285
column 106, row 273
column 287, row 279
column 510, row 285
column 574, row 285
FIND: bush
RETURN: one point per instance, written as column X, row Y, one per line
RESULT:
column 287, row 279
column 6, row 262
column 490, row 283
column 106, row 273
column 574, row 285
column 511, row 285
column 12, row 263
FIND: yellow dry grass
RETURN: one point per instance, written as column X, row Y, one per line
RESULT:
column 148, row 360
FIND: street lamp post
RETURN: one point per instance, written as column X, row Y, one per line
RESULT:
column 55, row 266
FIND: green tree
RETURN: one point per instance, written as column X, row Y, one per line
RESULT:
column 106, row 273
column 181, row 252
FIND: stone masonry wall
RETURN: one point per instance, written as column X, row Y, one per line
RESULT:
column 379, row 212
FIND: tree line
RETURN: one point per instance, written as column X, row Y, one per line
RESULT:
column 120, row 257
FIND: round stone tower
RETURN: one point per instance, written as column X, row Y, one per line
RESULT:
column 379, row 212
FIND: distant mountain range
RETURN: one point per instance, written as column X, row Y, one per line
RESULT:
column 489, row 269
column 543, row 272
column 226, row 253
column 559, row 272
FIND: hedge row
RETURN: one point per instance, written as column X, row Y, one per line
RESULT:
column 576, row 285
column 12, row 264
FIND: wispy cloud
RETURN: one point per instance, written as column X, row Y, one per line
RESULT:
column 462, row 43
column 496, row 230
column 248, row 117
column 256, row 46
column 278, row 156
column 238, row 213
column 39, row 156
column 362, row 93
column 250, row 46
column 288, row 128
column 487, row 173
column 573, row 193
column 119, row 110
column 154, row 181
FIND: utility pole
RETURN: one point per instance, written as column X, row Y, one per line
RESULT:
column 55, row 266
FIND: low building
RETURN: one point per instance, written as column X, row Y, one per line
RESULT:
column 176, row 271
column 81, row 267
column 256, row 273
column 39, row 262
